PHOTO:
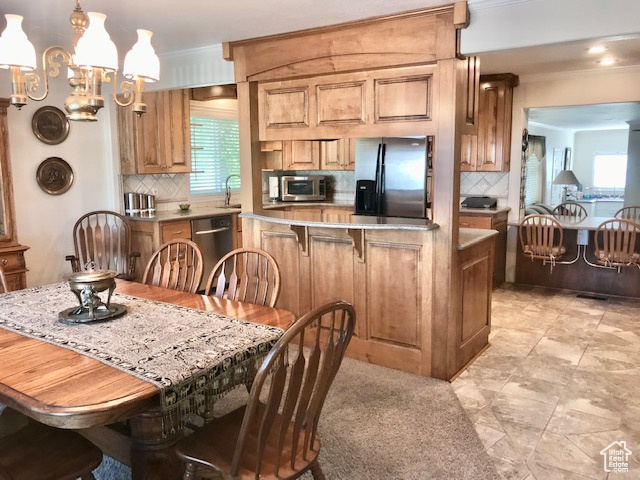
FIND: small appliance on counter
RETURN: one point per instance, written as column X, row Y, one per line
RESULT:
column 303, row 189
column 139, row 204
column 479, row 202
column 274, row 189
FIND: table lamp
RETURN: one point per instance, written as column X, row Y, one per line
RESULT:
column 565, row 177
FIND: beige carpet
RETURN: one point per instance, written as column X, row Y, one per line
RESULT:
column 379, row 423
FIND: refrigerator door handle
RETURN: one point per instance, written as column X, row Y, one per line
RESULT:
column 381, row 188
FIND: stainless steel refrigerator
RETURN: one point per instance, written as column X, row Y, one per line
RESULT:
column 391, row 173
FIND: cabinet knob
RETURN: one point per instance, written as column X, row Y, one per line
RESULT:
column 4, row 261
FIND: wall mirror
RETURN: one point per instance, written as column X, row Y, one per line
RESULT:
column 590, row 140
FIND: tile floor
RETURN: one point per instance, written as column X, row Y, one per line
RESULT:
column 559, row 383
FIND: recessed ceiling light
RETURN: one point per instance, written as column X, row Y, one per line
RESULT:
column 606, row 61
column 597, row 49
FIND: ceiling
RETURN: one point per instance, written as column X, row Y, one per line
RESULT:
column 188, row 24
column 191, row 24
column 587, row 117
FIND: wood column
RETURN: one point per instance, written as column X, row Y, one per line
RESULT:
column 250, row 154
column 446, row 181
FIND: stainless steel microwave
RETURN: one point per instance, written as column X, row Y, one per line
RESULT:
column 303, row 189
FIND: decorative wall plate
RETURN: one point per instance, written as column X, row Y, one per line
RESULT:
column 54, row 176
column 50, row 125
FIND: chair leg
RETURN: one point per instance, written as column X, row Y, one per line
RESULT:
column 316, row 471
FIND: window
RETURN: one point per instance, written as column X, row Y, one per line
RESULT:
column 215, row 150
column 610, row 170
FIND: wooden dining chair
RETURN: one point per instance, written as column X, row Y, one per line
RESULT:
column 276, row 434
column 4, row 288
column 631, row 212
column 570, row 212
column 177, row 265
column 104, row 238
column 37, row 451
column 616, row 243
column 247, row 275
column 541, row 237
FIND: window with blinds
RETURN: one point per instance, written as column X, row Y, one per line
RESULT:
column 215, row 151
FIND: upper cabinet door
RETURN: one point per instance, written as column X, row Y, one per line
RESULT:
column 490, row 150
column 301, row 155
column 160, row 140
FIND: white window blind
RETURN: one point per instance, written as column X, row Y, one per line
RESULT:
column 532, row 181
column 215, row 151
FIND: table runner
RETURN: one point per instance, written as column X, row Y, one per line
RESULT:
column 190, row 355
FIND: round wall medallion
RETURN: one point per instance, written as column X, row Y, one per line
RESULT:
column 54, row 176
column 50, row 125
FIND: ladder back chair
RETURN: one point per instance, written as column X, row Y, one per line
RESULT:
column 275, row 436
column 631, row 212
column 36, row 451
column 104, row 238
column 4, row 288
column 570, row 212
column 616, row 243
column 247, row 275
column 541, row 237
column 177, row 265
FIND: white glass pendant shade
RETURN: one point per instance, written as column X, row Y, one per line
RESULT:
column 15, row 48
column 142, row 61
column 95, row 48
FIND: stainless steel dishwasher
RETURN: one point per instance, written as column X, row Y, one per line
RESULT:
column 213, row 237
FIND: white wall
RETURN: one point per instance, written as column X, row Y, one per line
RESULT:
column 44, row 221
column 562, row 89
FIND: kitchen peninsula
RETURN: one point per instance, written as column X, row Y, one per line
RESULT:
column 421, row 289
column 384, row 267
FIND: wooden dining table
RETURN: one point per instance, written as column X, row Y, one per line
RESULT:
column 116, row 410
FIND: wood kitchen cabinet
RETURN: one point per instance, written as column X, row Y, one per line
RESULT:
column 300, row 155
column 11, row 252
column 338, row 154
column 160, row 140
column 492, row 220
column 490, row 149
column 393, row 101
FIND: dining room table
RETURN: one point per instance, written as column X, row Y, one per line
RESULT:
column 116, row 381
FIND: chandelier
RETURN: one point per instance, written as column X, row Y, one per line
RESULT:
column 94, row 61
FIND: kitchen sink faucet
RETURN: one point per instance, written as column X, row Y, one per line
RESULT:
column 227, row 195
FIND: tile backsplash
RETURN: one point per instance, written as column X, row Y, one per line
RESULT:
column 490, row 184
column 166, row 187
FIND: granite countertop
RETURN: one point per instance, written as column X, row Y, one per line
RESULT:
column 276, row 205
column 334, row 220
column 485, row 211
column 469, row 237
column 193, row 214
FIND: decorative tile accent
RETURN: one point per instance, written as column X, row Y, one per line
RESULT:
column 166, row 187
column 492, row 184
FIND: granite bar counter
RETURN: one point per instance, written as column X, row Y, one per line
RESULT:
column 336, row 220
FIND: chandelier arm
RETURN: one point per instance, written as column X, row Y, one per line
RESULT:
column 127, row 94
column 51, row 68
